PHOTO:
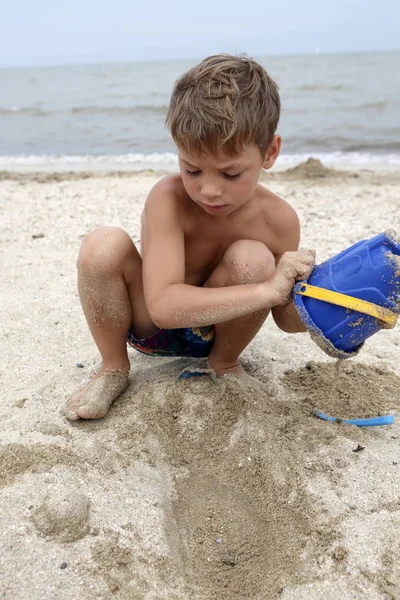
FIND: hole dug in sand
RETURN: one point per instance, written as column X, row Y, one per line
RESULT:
column 239, row 519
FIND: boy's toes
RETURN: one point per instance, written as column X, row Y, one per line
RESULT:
column 71, row 415
column 95, row 400
column 93, row 412
column 70, row 410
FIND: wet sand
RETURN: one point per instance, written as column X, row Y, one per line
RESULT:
column 189, row 489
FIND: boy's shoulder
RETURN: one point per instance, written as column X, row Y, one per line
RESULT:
column 281, row 220
column 278, row 212
column 167, row 198
column 168, row 186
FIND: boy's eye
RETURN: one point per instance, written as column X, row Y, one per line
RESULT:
column 231, row 177
column 225, row 175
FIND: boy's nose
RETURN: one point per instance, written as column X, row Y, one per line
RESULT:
column 209, row 190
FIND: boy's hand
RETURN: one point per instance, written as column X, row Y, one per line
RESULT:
column 292, row 267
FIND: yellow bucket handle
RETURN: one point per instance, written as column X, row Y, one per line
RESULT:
column 368, row 308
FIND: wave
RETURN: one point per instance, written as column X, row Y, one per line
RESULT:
column 16, row 110
column 351, row 143
column 168, row 161
column 350, row 159
column 137, row 110
column 381, row 105
column 320, row 87
column 148, row 110
column 338, row 108
column 384, row 147
column 155, row 158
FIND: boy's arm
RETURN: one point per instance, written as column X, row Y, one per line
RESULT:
column 286, row 316
column 174, row 304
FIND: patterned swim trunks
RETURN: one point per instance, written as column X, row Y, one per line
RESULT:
column 194, row 343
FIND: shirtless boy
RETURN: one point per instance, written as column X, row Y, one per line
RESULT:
column 218, row 250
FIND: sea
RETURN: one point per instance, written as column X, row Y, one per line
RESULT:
column 341, row 108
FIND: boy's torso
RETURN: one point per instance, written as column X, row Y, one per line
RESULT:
column 208, row 237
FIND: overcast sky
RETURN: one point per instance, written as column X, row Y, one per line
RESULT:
column 53, row 32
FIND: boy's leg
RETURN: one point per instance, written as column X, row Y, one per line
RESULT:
column 111, row 292
column 245, row 261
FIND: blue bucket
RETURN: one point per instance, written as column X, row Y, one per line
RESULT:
column 368, row 270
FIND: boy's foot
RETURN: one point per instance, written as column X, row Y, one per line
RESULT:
column 221, row 369
column 94, row 400
column 237, row 370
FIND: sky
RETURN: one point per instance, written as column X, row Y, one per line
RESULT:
column 58, row 32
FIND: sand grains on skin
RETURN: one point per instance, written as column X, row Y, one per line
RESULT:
column 94, row 399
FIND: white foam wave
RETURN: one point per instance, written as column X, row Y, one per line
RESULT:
column 343, row 160
column 168, row 161
column 88, row 162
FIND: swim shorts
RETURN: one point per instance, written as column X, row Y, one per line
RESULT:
column 193, row 342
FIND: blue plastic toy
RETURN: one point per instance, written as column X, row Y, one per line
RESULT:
column 353, row 295
column 372, row 422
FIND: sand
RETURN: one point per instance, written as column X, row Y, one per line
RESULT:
column 188, row 489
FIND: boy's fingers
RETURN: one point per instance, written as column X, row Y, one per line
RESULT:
column 308, row 251
column 305, row 269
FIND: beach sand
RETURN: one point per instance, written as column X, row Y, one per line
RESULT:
column 189, row 489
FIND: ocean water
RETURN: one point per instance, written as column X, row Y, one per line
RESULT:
column 341, row 108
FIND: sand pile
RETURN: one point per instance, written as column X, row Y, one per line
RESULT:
column 345, row 389
column 312, row 168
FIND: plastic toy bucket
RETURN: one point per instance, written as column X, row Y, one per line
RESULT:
column 353, row 295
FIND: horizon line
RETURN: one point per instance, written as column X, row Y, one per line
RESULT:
column 315, row 52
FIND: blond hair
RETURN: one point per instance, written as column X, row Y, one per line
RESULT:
column 223, row 104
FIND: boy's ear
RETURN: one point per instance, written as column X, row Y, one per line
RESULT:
column 272, row 152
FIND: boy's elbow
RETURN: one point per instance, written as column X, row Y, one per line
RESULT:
column 158, row 322
column 160, row 316
column 164, row 309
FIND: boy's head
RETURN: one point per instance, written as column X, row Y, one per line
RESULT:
column 222, row 105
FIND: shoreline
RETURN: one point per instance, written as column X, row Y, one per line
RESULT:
column 312, row 168
column 167, row 163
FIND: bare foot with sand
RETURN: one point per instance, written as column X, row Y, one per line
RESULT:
column 221, row 369
column 238, row 371
column 94, row 400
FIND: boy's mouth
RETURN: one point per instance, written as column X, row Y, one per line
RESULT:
column 214, row 207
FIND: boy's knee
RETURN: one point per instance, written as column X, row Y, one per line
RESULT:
column 104, row 247
column 249, row 261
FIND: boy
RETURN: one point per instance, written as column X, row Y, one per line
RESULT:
column 218, row 251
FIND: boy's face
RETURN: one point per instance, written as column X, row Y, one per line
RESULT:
column 222, row 185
